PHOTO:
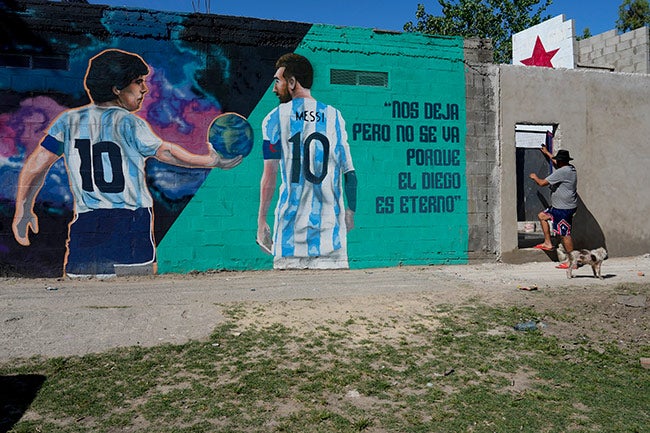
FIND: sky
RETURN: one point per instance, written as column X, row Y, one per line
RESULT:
column 597, row 15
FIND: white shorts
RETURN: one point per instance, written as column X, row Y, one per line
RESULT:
column 336, row 260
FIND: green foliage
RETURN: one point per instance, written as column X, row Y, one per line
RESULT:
column 586, row 34
column 633, row 14
column 497, row 20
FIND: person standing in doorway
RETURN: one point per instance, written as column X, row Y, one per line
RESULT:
column 563, row 183
column 306, row 141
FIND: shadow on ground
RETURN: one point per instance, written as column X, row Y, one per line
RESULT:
column 16, row 395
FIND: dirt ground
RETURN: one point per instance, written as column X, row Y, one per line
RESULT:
column 61, row 317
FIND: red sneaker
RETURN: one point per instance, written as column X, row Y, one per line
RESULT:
column 563, row 265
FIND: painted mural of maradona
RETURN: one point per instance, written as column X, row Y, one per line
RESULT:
column 105, row 146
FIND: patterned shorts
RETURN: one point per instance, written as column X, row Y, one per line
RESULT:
column 562, row 220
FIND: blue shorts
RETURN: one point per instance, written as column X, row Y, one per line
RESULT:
column 102, row 238
column 562, row 220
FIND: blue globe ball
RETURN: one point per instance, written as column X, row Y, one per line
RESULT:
column 231, row 135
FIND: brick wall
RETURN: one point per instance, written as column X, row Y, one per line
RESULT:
column 628, row 52
column 231, row 61
column 418, row 203
column 481, row 150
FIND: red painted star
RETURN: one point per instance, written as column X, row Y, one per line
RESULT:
column 540, row 56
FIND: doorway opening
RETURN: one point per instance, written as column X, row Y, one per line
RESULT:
column 532, row 199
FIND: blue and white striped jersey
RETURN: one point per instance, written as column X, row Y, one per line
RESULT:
column 105, row 149
column 310, row 140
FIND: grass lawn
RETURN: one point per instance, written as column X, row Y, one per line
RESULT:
column 455, row 368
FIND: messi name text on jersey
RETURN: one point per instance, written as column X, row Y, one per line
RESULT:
column 310, row 116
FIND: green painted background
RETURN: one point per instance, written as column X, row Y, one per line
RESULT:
column 217, row 228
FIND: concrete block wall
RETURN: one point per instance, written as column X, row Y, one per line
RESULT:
column 481, row 150
column 628, row 52
column 415, row 189
column 491, row 99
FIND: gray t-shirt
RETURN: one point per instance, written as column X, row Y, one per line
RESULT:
column 564, row 187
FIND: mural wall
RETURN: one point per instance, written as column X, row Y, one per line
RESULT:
column 402, row 97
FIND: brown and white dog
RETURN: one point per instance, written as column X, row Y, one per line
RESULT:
column 586, row 257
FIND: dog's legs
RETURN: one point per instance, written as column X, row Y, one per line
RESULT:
column 597, row 272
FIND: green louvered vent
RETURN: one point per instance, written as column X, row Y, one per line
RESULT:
column 358, row 78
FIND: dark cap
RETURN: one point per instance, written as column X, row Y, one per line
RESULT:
column 562, row 155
